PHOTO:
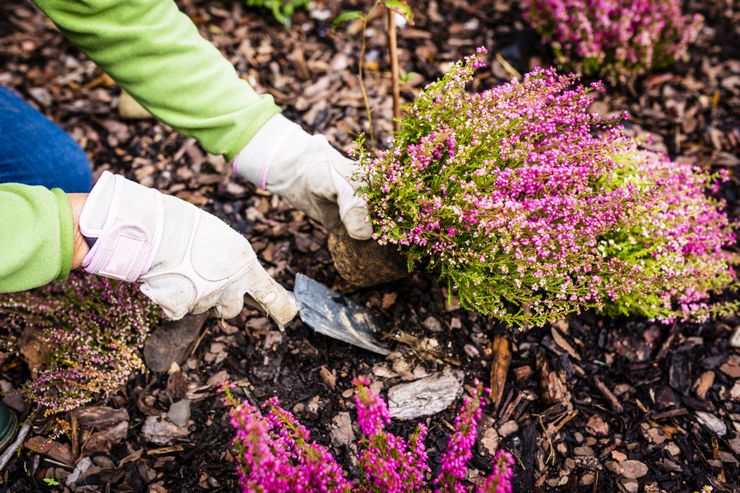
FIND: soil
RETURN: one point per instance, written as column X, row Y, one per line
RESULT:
column 581, row 398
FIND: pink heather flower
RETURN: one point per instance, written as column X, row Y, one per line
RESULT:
column 454, row 461
column 618, row 39
column 387, row 462
column 531, row 208
column 499, row 481
column 274, row 453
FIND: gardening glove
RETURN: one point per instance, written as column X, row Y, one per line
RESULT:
column 185, row 259
column 307, row 172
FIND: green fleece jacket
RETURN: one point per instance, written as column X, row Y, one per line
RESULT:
column 155, row 53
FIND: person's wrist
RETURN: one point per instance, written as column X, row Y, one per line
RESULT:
column 80, row 247
column 266, row 149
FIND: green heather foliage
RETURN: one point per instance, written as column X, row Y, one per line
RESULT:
column 531, row 208
column 90, row 331
column 282, row 10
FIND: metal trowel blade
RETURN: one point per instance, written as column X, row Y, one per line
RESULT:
column 332, row 314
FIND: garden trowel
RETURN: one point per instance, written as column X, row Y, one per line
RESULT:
column 336, row 316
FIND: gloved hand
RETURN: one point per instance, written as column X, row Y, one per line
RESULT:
column 185, row 259
column 307, row 172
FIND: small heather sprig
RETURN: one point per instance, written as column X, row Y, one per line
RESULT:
column 531, row 208
column 90, row 331
column 499, row 481
column 617, row 39
column 274, row 452
column 387, row 462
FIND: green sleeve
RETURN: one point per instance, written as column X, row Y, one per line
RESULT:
column 36, row 236
column 156, row 54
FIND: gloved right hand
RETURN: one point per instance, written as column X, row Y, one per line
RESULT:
column 185, row 259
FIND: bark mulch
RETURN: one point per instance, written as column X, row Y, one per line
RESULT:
column 589, row 404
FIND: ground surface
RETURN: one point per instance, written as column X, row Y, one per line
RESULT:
column 566, row 433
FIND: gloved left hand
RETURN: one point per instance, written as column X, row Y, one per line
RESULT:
column 308, row 172
column 185, row 259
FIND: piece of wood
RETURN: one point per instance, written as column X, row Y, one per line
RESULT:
column 499, row 368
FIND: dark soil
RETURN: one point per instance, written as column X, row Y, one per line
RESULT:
column 565, row 430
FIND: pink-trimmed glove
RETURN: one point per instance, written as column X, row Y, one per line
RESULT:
column 185, row 259
column 307, row 172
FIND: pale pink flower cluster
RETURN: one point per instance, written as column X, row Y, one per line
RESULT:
column 619, row 39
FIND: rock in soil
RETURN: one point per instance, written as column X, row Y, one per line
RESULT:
column 712, row 422
column 171, row 342
column 162, row 431
column 341, row 430
column 426, row 396
column 179, row 412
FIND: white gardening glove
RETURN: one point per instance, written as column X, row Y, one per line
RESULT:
column 307, row 172
column 185, row 259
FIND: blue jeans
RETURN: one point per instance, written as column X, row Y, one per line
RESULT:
column 35, row 151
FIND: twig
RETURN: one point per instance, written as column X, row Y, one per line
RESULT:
column 616, row 405
column 395, row 72
column 672, row 413
column 10, row 451
column 510, row 70
column 361, row 74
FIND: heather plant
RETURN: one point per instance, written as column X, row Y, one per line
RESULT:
column 89, row 332
column 617, row 39
column 531, row 208
column 274, row 452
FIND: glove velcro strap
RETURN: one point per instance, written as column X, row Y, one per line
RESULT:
column 123, row 252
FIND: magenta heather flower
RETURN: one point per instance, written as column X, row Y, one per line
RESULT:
column 531, row 208
column 454, row 461
column 618, row 39
column 274, row 453
column 387, row 462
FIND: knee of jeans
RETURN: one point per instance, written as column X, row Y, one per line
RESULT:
column 77, row 171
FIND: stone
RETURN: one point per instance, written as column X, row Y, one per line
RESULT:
column 341, row 430
column 130, row 109
column 508, row 428
column 179, row 412
column 630, row 486
column 161, row 431
column 490, row 440
column 633, row 469
column 426, row 396
column 584, row 451
column 712, row 422
column 735, row 444
column 735, row 339
column 619, row 456
column 79, row 470
column 172, row 342
column 217, row 378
